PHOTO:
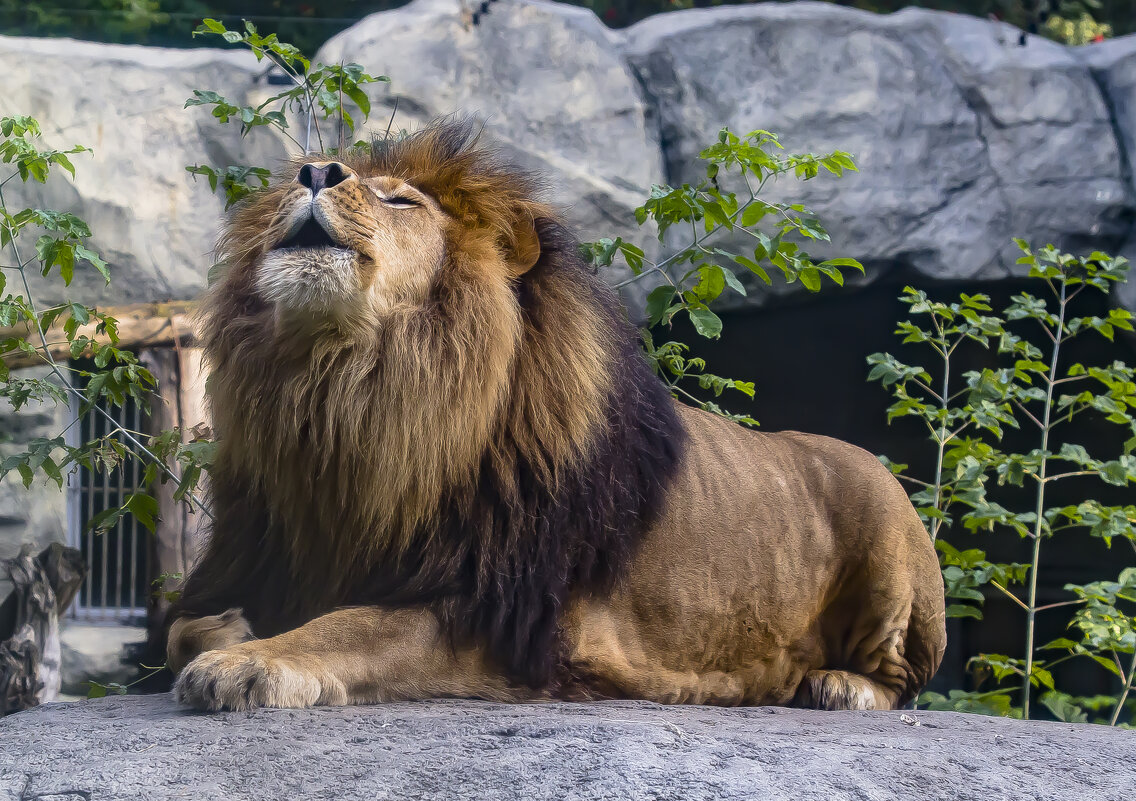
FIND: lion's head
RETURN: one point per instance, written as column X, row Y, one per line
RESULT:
column 353, row 238
column 423, row 395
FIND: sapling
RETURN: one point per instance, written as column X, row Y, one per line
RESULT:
column 1033, row 388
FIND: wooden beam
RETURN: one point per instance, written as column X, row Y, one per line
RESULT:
column 140, row 325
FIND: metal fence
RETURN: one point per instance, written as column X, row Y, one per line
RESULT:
column 119, row 560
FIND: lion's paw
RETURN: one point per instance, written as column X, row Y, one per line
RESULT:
column 841, row 689
column 236, row 680
column 190, row 636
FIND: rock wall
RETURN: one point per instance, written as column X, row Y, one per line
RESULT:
column 144, row 747
column 35, row 514
column 964, row 138
column 151, row 221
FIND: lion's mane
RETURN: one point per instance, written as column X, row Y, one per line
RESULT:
column 488, row 455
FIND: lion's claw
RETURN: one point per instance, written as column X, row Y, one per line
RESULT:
column 235, row 680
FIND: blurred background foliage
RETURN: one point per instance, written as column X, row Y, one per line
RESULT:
column 309, row 23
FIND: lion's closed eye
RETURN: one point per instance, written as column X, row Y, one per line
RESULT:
column 401, row 202
column 398, row 199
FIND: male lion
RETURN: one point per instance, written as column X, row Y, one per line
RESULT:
column 445, row 469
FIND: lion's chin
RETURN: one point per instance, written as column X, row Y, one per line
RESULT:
column 320, row 279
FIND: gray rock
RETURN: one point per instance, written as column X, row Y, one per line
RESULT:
column 150, row 220
column 97, row 653
column 1113, row 65
column 963, row 139
column 35, row 514
column 144, row 747
column 547, row 80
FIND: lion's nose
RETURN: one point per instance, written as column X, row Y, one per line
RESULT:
column 323, row 176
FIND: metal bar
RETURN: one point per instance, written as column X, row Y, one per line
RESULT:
column 92, row 425
column 120, row 529
column 103, row 536
column 135, row 481
column 73, row 438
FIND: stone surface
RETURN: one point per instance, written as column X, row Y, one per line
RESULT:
column 1113, row 64
column 963, row 138
column 547, row 81
column 36, row 514
column 152, row 223
column 144, row 747
column 97, row 653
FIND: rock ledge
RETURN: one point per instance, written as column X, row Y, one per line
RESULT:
column 145, row 747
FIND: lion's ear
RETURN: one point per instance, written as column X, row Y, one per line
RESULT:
column 526, row 244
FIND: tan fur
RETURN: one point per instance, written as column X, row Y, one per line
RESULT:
column 356, row 387
column 779, row 557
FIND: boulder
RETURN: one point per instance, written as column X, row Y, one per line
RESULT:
column 36, row 514
column 152, row 223
column 548, row 82
column 97, row 653
column 145, row 747
column 963, row 138
column 1113, row 64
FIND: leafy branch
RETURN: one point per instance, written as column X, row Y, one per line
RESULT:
column 117, row 373
column 695, row 275
column 319, row 92
column 1033, row 390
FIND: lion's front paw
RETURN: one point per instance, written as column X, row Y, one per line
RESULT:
column 238, row 680
column 189, row 637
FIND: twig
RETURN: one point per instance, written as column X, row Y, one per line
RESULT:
column 1010, row 595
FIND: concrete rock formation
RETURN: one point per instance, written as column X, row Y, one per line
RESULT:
column 145, row 747
column 965, row 139
column 151, row 221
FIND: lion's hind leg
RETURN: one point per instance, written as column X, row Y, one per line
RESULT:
column 877, row 679
column 841, row 689
column 880, row 652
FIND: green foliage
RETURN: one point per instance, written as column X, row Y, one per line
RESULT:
column 111, row 375
column 164, row 22
column 325, row 92
column 160, row 591
column 698, row 272
column 1031, row 389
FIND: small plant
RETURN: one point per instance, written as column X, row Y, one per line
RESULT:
column 319, row 92
column 697, row 273
column 1034, row 389
column 114, row 374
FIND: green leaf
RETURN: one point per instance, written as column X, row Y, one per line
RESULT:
column 705, row 322
column 964, row 610
column 732, row 282
column 658, row 302
column 1063, row 708
column 144, row 508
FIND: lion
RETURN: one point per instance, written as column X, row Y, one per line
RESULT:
column 445, row 469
